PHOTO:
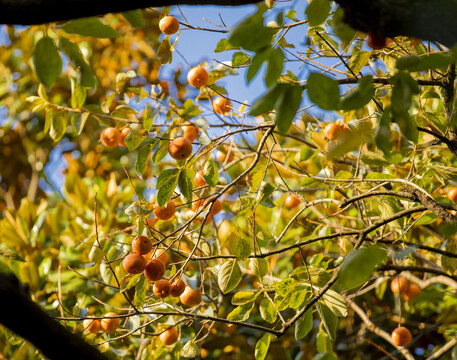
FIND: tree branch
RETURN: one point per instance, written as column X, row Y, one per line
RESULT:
column 53, row 339
column 33, row 12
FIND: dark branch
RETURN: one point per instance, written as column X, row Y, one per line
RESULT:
column 434, row 20
column 28, row 320
column 33, row 12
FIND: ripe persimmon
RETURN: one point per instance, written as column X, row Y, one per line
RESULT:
column 401, row 336
column 169, row 337
column 161, row 254
column 221, row 154
column 452, row 194
column 399, row 285
column 334, row 131
column 177, row 288
column 197, row 77
column 110, row 137
column 376, row 42
column 190, row 131
column 190, row 297
column 124, row 133
column 199, row 180
column 221, row 105
column 169, row 25
column 291, row 201
column 154, row 270
column 142, row 245
column 217, row 207
column 134, row 264
column 165, row 213
column 412, row 292
column 110, row 324
column 180, row 148
column 162, row 288
column 92, row 325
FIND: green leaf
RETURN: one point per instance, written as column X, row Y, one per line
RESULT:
column 166, row 185
column 229, row 276
column 317, row 12
column 161, row 152
column 358, row 266
column 414, row 63
column 275, row 65
column 312, row 274
column 304, row 324
column 47, row 61
column 142, row 158
column 267, row 101
column 134, row 17
column 240, row 246
column 251, row 34
column 285, row 286
column 259, row 267
column 58, row 126
column 211, row 172
column 360, row 96
column 329, row 319
column 258, row 173
column 189, row 350
column 241, row 313
column 268, row 311
column 297, row 298
column 262, row 346
column 336, row 303
column 78, row 95
column 12, row 337
column 256, row 62
column 243, row 297
column 287, row 106
column 323, row 91
column 341, row 29
column 239, row 58
column 224, row 45
column 76, row 59
column 141, row 287
column 11, row 254
column 358, row 60
column 90, row 26
column 382, row 132
column 185, row 185
column 133, row 139
column 164, row 53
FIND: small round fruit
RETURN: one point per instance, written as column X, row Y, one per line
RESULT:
column 197, row 77
column 134, row 264
column 169, row 337
column 110, row 325
column 412, row 292
column 142, row 245
column 399, row 285
column 199, row 180
column 177, row 288
column 154, row 270
column 334, row 131
column 161, row 254
column 110, row 137
column 190, row 297
column 162, row 288
column 197, row 204
column 190, row 131
column 92, row 325
column 401, row 336
column 221, row 105
column 124, row 133
column 169, row 25
column 221, row 155
column 376, row 42
column 180, row 148
column 217, row 208
column 165, row 213
column 452, row 194
column 292, row 201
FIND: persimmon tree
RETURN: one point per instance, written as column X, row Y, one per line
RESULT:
column 314, row 222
